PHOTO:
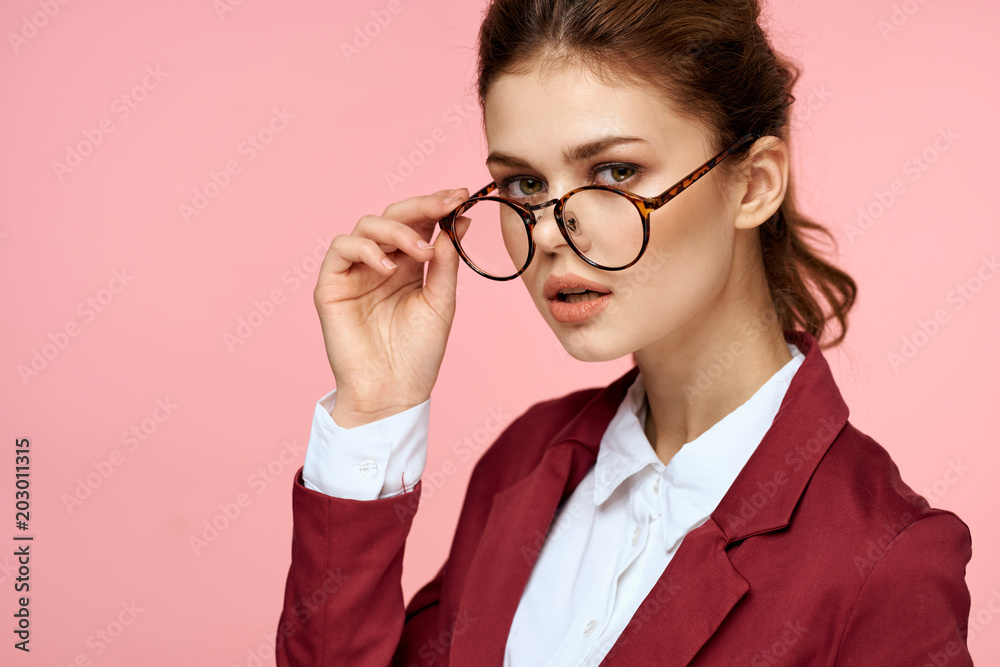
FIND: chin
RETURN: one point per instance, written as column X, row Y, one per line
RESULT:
column 587, row 350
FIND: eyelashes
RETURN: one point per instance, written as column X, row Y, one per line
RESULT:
column 526, row 187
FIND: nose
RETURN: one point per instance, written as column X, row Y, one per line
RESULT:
column 546, row 234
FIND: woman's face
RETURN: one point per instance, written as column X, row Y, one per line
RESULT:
column 560, row 129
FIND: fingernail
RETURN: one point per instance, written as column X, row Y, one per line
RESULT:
column 388, row 263
column 423, row 245
column 453, row 196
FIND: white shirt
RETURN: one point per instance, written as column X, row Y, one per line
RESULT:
column 608, row 543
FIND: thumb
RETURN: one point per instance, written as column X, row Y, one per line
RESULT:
column 442, row 271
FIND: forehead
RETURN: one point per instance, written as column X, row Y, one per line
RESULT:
column 549, row 108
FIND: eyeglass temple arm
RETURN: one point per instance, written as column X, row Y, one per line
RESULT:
column 701, row 171
column 480, row 193
column 485, row 191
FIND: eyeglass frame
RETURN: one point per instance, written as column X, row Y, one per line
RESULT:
column 644, row 205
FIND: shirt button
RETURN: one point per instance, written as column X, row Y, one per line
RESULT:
column 635, row 535
column 656, row 486
column 590, row 627
column 368, row 468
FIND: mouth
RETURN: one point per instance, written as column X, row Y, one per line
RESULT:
column 577, row 297
column 573, row 299
column 570, row 288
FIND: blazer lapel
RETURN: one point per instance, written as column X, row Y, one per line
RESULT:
column 518, row 521
column 682, row 611
column 512, row 539
column 701, row 586
column 812, row 414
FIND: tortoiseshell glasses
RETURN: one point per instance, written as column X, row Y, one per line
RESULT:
column 607, row 227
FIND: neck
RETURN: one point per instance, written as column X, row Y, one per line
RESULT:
column 696, row 377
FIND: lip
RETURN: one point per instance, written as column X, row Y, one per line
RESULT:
column 574, row 313
column 570, row 281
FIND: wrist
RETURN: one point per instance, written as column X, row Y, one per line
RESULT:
column 351, row 413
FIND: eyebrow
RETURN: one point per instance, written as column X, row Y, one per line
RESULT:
column 574, row 154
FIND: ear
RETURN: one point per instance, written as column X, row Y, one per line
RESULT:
column 765, row 182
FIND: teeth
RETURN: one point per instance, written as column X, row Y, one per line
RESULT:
column 586, row 296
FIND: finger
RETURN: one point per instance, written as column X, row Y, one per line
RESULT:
column 411, row 208
column 442, row 274
column 346, row 251
column 382, row 236
column 462, row 226
column 392, row 235
column 423, row 212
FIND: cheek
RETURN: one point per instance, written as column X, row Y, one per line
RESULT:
column 687, row 261
column 529, row 278
column 696, row 235
column 692, row 224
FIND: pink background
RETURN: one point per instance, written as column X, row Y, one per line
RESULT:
column 870, row 100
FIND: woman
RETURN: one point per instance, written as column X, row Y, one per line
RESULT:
column 712, row 506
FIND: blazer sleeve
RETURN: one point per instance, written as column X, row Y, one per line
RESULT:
column 343, row 602
column 914, row 607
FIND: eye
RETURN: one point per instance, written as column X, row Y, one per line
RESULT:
column 617, row 173
column 520, row 187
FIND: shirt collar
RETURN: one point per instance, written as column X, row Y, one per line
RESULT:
column 699, row 475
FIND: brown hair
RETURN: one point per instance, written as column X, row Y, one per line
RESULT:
column 711, row 58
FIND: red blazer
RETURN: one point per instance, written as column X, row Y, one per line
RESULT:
column 819, row 554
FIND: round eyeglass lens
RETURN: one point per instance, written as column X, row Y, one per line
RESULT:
column 493, row 237
column 604, row 226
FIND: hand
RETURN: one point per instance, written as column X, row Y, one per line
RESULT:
column 385, row 328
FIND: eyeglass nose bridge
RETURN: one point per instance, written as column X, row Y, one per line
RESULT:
column 538, row 207
column 557, row 215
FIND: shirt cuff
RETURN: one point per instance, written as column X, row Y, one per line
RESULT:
column 368, row 462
